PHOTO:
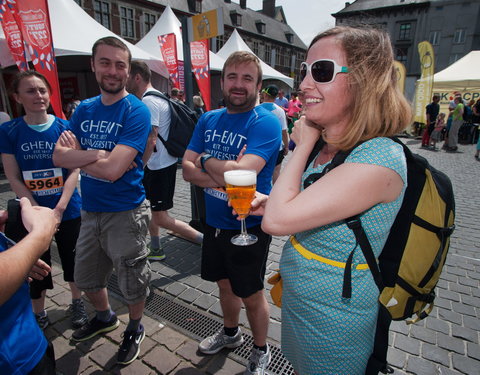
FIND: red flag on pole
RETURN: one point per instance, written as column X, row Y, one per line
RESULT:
column 34, row 22
column 168, row 47
column 201, row 68
column 14, row 38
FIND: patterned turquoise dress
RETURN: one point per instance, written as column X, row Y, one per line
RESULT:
column 323, row 333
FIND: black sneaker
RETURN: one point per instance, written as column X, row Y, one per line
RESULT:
column 94, row 327
column 130, row 348
column 77, row 313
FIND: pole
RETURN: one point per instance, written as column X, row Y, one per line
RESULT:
column 196, row 193
column 187, row 64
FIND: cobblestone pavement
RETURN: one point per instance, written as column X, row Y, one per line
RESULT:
column 447, row 342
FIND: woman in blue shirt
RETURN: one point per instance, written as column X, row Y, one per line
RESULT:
column 27, row 145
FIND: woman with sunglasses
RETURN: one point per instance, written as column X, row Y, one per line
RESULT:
column 27, row 145
column 351, row 100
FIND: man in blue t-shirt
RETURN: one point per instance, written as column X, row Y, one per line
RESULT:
column 23, row 346
column 107, row 141
column 240, row 136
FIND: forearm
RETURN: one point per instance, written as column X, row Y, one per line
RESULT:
column 68, row 189
column 21, row 190
column 286, row 188
column 70, row 158
column 151, row 142
column 196, row 176
column 23, row 255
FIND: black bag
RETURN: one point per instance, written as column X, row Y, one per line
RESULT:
column 412, row 259
column 182, row 122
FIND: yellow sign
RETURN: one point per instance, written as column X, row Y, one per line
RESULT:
column 205, row 25
column 401, row 74
column 424, row 86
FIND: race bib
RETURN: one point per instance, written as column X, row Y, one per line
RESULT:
column 45, row 181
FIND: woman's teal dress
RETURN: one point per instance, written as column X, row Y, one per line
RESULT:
column 323, row 333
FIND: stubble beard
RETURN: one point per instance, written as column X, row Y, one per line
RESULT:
column 242, row 106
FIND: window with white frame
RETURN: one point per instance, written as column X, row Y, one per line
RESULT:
column 101, row 10
column 459, row 36
column 127, row 22
column 434, row 38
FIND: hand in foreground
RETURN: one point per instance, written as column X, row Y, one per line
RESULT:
column 39, row 271
column 68, row 139
column 38, row 219
column 257, row 207
column 305, row 132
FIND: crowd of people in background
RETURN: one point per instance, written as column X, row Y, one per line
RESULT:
column 127, row 180
column 460, row 123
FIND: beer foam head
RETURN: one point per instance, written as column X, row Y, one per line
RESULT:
column 240, row 177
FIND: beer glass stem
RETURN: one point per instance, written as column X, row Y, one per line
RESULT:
column 243, row 229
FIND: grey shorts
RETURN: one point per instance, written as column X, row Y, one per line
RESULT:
column 114, row 240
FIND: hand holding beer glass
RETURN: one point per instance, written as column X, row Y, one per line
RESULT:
column 241, row 186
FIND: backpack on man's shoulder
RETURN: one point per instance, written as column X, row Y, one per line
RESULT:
column 182, row 122
column 412, row 259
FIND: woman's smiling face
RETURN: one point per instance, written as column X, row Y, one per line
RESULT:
column 327, row 104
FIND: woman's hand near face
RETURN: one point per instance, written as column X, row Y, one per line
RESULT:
column 305, row 133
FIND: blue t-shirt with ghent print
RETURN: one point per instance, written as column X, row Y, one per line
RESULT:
column 32, row 146
column 223, row 135
column 102, row 127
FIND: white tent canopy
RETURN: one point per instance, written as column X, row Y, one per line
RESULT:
column 75, row 32
column 462, row 75
column 168, row 23
column 236, row 43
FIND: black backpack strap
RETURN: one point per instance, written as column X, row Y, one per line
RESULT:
column 173, row 114
column 355, row 224
column 316, row 149
column 378, row 359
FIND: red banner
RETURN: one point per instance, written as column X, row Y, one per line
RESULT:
column 201, row 68
column 33, row 20
column 14, row 38
column 168, row 47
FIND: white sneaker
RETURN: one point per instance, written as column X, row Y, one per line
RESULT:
column 258, row 362
column 213, row 344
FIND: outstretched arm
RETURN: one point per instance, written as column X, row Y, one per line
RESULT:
column 16, row 262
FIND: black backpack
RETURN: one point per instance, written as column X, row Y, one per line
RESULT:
column 182, row 122
column 412, row 259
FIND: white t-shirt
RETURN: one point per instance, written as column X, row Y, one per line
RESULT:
column 160, row 118
column 280, row 113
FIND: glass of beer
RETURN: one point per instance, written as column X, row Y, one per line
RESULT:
column 241, row 186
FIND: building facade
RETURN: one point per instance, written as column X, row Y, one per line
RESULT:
column 265, row 31
column 451, row 26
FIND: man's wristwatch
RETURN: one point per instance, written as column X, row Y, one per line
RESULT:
column 203, row 160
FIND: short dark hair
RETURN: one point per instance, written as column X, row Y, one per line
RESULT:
column 26, row 74
column 112, row 42
column 141, row 68
column 174, row 92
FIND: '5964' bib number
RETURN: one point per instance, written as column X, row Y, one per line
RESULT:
column 45, row 181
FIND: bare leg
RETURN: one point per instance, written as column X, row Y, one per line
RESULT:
column 258, row 315
column 231, row 304
column 136, row 310
column 38, row 304
column 164, row 220
column 276, row 172
column 76, row 293
column 99, row 299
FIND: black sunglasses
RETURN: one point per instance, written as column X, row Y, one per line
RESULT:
column 322, row 71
